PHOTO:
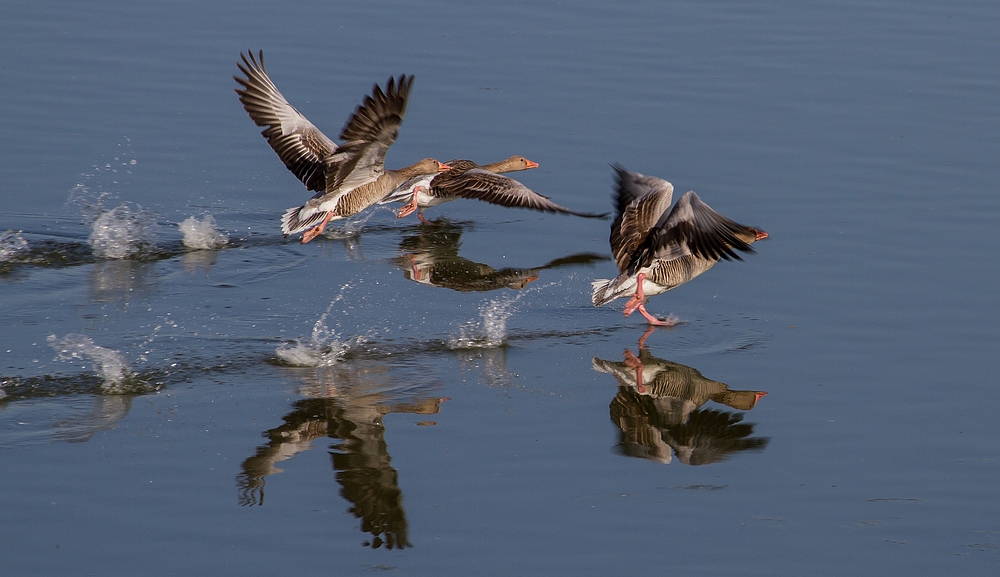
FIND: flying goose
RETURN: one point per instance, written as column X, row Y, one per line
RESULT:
column 656, row 250
column 466, row 179
column 347, row 178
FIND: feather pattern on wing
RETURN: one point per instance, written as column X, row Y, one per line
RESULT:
column 640, row 203
column 369, row 133
column 301, row 146
column 693, row 228
column 466, row 179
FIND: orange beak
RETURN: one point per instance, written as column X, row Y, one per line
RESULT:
column 761, row 235
column 443, row 167
column 532, row 164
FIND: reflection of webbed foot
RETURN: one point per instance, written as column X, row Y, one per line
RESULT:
column 645, row 335
column 633, row 362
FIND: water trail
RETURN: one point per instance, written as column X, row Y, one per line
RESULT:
column 110, row 365
column 324, row 348
column 202, row 234
column 12, row 246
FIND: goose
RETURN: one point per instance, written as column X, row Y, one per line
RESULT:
column 347, row 178
column 656, row 250
column 466, row 179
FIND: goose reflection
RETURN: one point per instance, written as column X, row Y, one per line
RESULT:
column 658, row 409
column 348, row 405
column 431, row 257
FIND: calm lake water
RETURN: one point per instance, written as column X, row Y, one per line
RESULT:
column 185, row 392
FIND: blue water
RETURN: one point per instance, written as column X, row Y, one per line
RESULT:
column 260, row 406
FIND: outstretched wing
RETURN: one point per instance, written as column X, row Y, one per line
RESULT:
column 369, row 133
column 300, row 145
column 693, row 228
column 640, row 202
column 490, row 187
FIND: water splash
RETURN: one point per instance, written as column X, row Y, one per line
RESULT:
column 12, row 246
column 324, row 348
column 491, row 331
column 202, row 234
column 110, row 365
column 123, row 232
column 352, row 226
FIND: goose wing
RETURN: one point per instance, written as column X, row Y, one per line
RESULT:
column 640, row 202
column 496, row 189
column 692, row 228
column 300, row 145
column 369, row 133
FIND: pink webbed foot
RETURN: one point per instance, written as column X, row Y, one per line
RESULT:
column 411, row 206
column 407, row 209
column 632, row 305
column 655, row 321
column 316, row 230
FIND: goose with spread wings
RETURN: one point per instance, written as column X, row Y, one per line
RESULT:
column 657, row 250
column 466, row 179
column 348, row 177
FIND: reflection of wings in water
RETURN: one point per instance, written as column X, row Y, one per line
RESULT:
column 351, row 414
column 658, row 408
column 431, row 257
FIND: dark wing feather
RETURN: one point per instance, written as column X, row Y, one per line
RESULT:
column 300, row 145
column 630, row 186
column 369, row 133
column 641, row 201
column 692, row 227
column 496, row 189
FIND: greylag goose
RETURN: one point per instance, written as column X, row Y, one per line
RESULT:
column 347, row 178
column 656, row 250
column 466, row 179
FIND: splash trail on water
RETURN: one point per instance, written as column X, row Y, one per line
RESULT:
column 324, row 348
column 12, row 246
column 202, row 234
column 108, row 364
column 491, row 330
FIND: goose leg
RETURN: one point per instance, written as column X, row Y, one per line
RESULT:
column 316, row 230
column 411, row 206
column 637, row 303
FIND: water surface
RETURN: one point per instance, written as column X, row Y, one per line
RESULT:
column 185, row 391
